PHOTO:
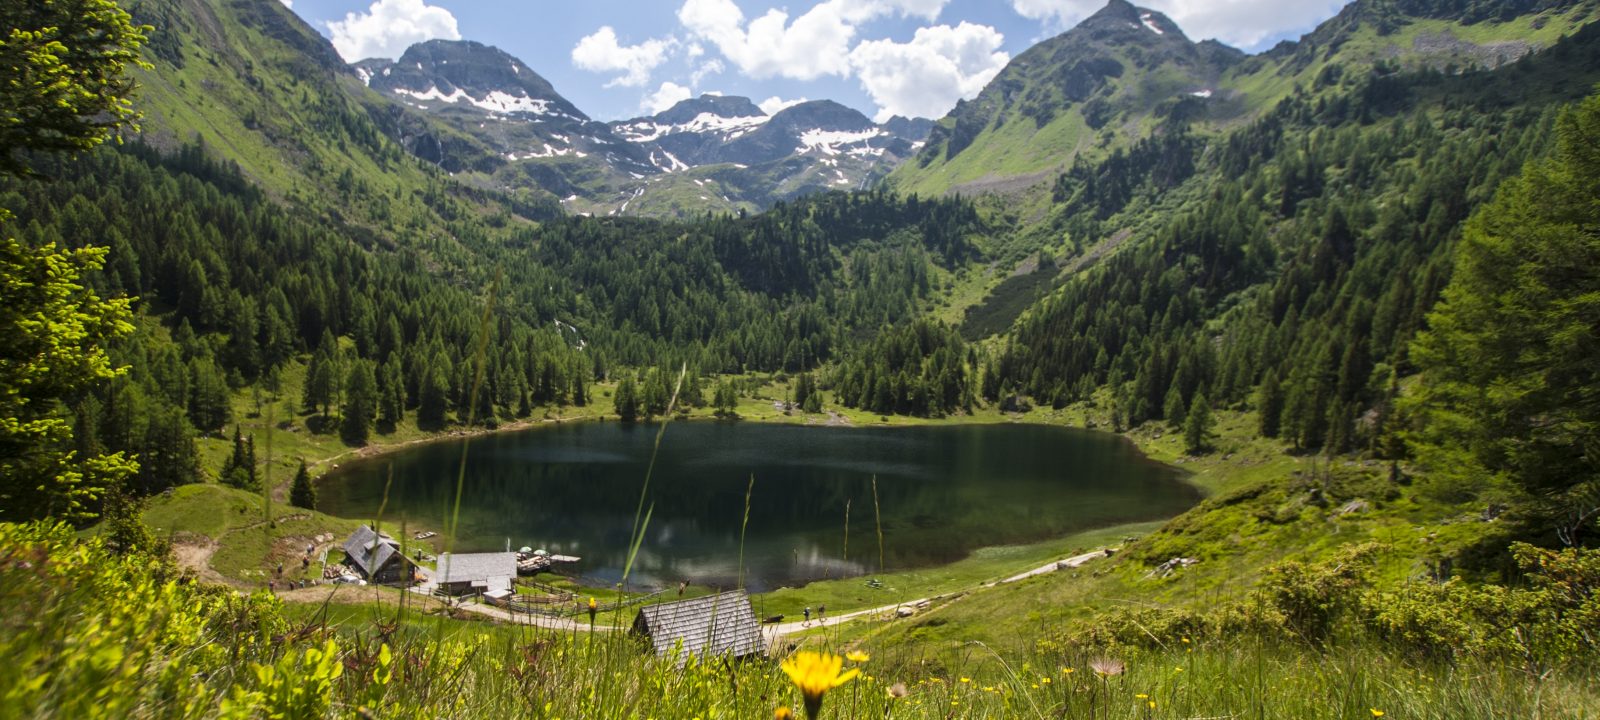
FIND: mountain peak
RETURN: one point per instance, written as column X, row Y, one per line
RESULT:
column 724, row 106
column 452, row 70
column 823, row 115
column 1116, row 10
column 1120, row 15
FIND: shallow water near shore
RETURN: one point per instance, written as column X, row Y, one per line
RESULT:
column 943, row 491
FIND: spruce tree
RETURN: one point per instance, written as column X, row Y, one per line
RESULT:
column 302, row 493
column 1197, row 426
column 1173, row 407
column 626, row 402
column 726, row 399
column 360, row 404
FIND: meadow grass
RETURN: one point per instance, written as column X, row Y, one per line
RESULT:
column 166, row 648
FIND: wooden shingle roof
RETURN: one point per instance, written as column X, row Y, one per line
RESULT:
column 475, row 568
column 722, row 624
column 370, row 550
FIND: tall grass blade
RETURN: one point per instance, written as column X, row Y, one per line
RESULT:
column 480, row 357
column 644, row 491
column 266, row 477
column 743, row 525
column 877, row 519
column 846, row 557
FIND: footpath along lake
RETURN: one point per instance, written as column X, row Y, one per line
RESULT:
column 943, row 491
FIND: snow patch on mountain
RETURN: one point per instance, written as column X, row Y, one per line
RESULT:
column 734, row 127
column 829, row 142
column 498, row 102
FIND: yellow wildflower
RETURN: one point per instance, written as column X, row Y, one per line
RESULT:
column 815, row 674
column 783, row 713
column 1376, row 712
column 856, row 656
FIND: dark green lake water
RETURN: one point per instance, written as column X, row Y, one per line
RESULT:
column 943, row 491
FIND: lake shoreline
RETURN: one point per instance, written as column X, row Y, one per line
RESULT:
column 1029, row 453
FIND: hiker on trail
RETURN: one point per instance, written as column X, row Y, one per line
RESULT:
column 822, row 612
column 807, row 612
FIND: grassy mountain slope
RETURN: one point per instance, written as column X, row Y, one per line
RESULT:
column 1112, row 81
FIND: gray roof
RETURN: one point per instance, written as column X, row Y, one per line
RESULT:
column 369, row 551
column 711, row 625
column 475, row 568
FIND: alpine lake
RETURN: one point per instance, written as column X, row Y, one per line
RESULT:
column 941, row 492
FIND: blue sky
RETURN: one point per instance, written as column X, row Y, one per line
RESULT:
column 617, row 59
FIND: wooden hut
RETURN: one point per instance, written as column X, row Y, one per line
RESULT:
column 476, row 573
column 377, row 556
column 722, row 624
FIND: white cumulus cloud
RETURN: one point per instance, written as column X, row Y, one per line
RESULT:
column 389, row 27
column 815, row 44
column 926, row 76
column 601, row 52
column 709, row 67
column 774, row 105
column 1241, row 23
column 864, row 10
column 669, row 94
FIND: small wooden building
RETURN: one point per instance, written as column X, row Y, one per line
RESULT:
column 476, row 573
column 377, row 557
column 722, row 624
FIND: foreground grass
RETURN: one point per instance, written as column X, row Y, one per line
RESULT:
column 90, row 633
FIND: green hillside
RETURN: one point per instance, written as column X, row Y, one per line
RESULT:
column 1109, row 83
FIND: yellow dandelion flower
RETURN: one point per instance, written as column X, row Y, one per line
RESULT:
column 1152, row 704
column 1066, row 671
column 1044, row 680
column 1376, row 712
column 856, row 656
column 1142, row 696
column 783, row 713
column 966, row 679
column 815, row 674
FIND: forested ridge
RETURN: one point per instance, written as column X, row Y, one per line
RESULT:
column 1303, row 258
column 231, row 290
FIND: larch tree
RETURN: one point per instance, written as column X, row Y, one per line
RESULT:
column 1510, row 397
column 62, row 87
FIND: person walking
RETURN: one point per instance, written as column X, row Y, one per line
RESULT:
column 822, row 613
column 807, row 613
